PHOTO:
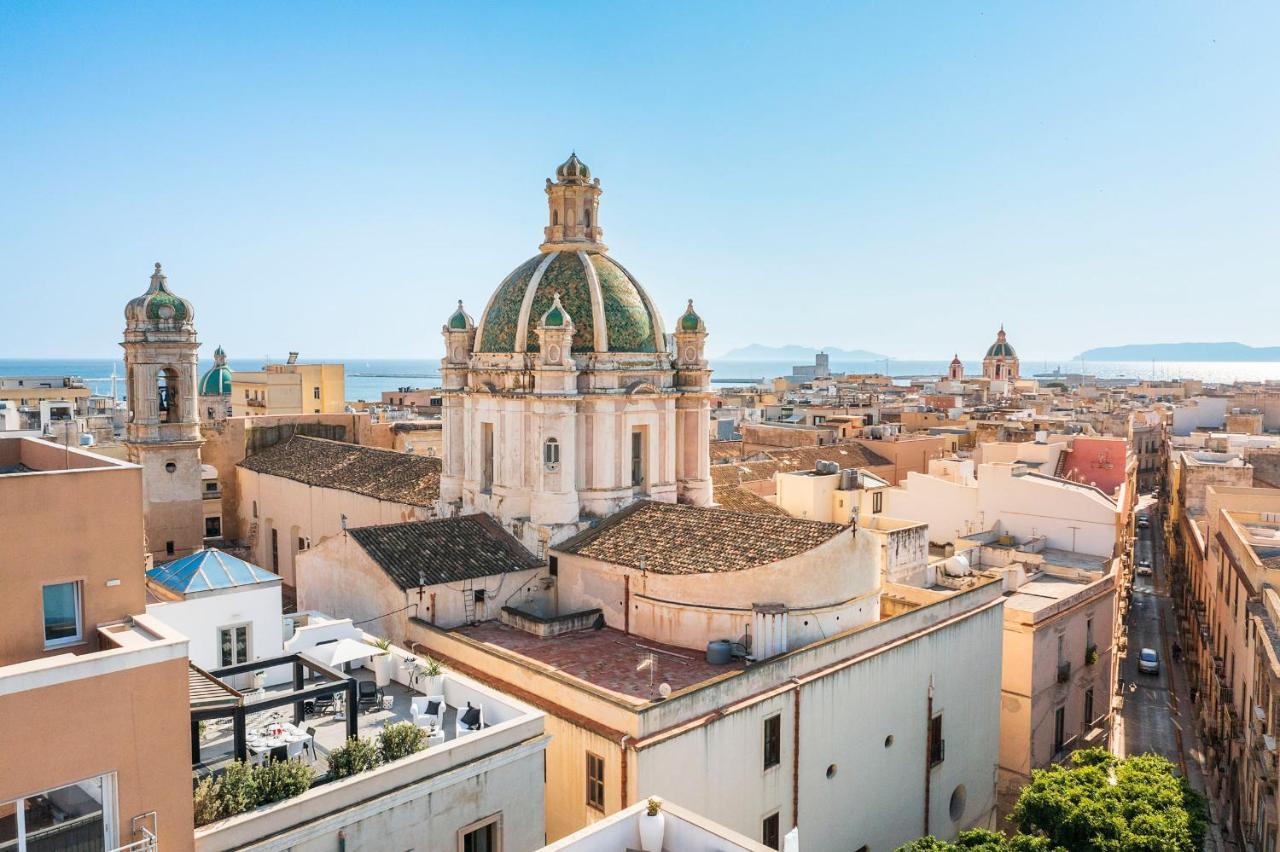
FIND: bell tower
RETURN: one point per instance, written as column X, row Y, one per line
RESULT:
column 693, row 410
column 163, row 431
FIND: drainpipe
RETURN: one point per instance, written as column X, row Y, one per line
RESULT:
column 795, row 757
column 928, row 768
column 622, row 745
column 626, row 605
column 342, row 840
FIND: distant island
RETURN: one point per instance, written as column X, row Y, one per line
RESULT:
column 1181, row 352
column 799, row 354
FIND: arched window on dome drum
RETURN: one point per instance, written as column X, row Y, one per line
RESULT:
column 555, row 217
column 586, row 218
column 551, row 454
column 167, row 395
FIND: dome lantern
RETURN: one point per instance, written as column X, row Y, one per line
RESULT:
column 573, row 208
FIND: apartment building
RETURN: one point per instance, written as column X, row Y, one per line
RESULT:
column 94, row 725
column 289, row 388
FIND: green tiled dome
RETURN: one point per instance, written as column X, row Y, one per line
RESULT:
column 621, row 307
column 217, row 380
column 1001, row 350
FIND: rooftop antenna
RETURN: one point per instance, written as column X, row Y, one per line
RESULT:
column 647, row 663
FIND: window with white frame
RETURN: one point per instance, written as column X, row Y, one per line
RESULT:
column 63, row 624
column 551, row 454
column 76, row 816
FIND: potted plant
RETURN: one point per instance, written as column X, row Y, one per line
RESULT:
column 259, row 680
column 381, row 664
column 652, row 826
column 433, row 671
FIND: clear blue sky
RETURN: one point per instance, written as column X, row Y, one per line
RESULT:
column 894, row 177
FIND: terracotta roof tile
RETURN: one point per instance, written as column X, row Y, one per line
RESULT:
column 676, row 539
column 381, row 474
column 738, row 499
column 443, row 551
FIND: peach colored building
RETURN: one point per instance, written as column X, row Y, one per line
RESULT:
column 94, row 719
column 907, row 453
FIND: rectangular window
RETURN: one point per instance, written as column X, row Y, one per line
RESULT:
column 315, row 393
column 1088, row 707
column 595, row 781
column 62, row 619
column 486, row 456
column 482, row 836
column 877, row 502
column 1059, row 728
column 275, row 550
column 77, row 816
column 233, row 645
column 1088, row 632
column 168, row 547
column 937, row 745
column 302, row 544
column 769, row 832
column 637, row 458
column 772, row 741
column 212, row 527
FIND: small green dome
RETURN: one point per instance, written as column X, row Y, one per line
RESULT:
column 460, row 321
column 159, row 304
column 689, row 320
column 217, row 380
column 573, row 170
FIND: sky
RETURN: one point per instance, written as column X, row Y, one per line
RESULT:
column 899, row 177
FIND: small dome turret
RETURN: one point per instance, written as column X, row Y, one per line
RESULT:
column 555, row 317
column 460, row 320
column 690, row 321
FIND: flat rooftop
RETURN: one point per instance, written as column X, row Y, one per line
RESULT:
column 1043, row 591
column 23, row 456
column 607, row 658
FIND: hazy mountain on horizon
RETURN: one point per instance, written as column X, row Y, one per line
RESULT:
column 1181, row 352
column 799, row 354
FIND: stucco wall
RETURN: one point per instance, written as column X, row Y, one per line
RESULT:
column 68, row 525
column 199, row 618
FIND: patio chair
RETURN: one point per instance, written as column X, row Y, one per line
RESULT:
column 322, row 704
column 367, row 695
column 311, row 743
column 470, row 719
column 427, row 711
column 280, row 753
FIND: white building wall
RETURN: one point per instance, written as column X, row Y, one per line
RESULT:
column 875, row 794
column 950, row 510
column 199, row 618
column 1201, row 412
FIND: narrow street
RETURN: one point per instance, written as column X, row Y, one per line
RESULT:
column 1150, row 714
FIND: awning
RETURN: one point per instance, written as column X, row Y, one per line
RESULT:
column 335, row 654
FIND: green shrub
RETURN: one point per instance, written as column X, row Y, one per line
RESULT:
column 208, row 801
column 356, row 756
column 282, row 779
column 400, row 739
column 238, row 788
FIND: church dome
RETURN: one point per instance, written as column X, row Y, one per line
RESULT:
column 159, row 305
column 217, row 380
column 611, row 311
column 1001, row 348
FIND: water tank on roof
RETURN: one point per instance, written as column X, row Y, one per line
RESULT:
column 957, row 566
column 827, row 467
column 719, row 652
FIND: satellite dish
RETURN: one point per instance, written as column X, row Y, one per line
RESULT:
column 664, row 689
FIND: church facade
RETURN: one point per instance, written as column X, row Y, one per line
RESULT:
column 568, row 400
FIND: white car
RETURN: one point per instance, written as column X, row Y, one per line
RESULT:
column 1143, row 522
column 1148, row 661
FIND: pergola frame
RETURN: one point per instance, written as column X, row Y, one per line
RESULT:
column 336, row 682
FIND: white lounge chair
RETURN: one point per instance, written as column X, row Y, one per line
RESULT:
column 420, row 709
column 470, row 718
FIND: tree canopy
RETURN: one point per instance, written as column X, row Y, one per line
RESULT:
column 1098, row 803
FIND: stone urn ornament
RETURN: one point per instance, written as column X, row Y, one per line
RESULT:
column 653, row 825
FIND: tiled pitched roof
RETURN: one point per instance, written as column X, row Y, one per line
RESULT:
column 845, row 455
column 738, row 499
column 676, row 539
column 381, row 474
column 739, row 472
column 445, row 551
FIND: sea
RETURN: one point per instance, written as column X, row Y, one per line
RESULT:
column 368, row 378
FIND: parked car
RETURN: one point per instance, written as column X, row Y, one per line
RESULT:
column 1144, row 567
column 1144, row 522
column 1148, row 661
